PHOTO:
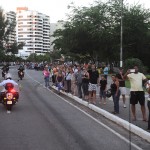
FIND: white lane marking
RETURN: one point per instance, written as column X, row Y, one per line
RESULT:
column 99, row 122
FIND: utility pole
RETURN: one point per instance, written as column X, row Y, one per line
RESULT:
column 121, row 35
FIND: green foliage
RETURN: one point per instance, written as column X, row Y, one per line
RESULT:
column 6, row 28
column 9, row 58
column 130, row 63
column 13, row 48
column 38, row 58
column 94, row 32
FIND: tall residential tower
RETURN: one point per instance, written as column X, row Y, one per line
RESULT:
column 33, row 28
column 11, row 17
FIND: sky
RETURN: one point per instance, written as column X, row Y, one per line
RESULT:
column 56, row 9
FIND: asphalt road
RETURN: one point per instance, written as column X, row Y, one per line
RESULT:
column 44, row 121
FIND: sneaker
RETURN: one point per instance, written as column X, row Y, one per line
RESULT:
column 124, row 106
column 8, row 111
column 113, row 112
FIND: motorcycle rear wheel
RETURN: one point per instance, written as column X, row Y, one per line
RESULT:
column 8, row 107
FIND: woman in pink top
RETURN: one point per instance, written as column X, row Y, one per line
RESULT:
column 46, row 74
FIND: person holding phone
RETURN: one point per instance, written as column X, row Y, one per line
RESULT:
column 136, row 92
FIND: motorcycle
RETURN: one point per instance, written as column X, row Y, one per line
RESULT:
column 10, row 96
column 20, row 74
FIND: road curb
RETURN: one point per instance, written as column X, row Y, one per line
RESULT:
column 125, row 124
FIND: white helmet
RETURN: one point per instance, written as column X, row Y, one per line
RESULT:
column 8, row 76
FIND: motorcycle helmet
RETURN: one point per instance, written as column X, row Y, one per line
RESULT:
column 8, row 76
column 108, row 93
column 9, row 86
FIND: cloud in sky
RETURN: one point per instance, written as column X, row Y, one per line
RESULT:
column 56, row 9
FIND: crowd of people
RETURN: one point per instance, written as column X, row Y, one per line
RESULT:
column 85, row 80
column 81, row 80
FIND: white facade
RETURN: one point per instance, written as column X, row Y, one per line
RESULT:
column 53, row 28
column 33, row 28
column 11, row 17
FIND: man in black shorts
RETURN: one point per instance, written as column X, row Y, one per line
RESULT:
column 136, row 92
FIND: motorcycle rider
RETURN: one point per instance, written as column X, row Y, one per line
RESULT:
column 21, row 69
column 8, row 79
column 5, row 70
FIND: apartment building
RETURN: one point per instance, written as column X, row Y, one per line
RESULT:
column 53, row 28
column 11, row 17
column 33, row 28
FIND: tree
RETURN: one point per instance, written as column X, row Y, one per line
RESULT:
column 131, row 62
column 90, row 32
column 95, row 32
column 14, row 47
column 7, row 28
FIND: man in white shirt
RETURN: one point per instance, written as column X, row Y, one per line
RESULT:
column 136, row 92
column 9, row 80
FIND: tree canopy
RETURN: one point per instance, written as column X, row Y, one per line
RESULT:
column 7, row 28
column 93, row 32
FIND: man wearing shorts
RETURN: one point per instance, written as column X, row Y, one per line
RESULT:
column 136, row 92
column 122, row 85
column 93, row 83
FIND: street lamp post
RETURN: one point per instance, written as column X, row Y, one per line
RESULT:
column 121, row 35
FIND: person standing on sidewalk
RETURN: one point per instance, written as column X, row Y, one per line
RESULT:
column 103, row 87
column 115, row 93
column 106, row 70
column 59, row 81
column 93, row 83
column 46, row 74
column 136, row 92
column 85, row 83
column 122, row 87
column 148, row 101
column 68, row 79
column 78, row 79
column 73, row 83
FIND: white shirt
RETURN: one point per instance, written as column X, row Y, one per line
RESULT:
column 68, row 76
column 136, row 81
column 3, row 83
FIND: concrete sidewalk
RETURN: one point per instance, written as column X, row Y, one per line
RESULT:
column 125, row 113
